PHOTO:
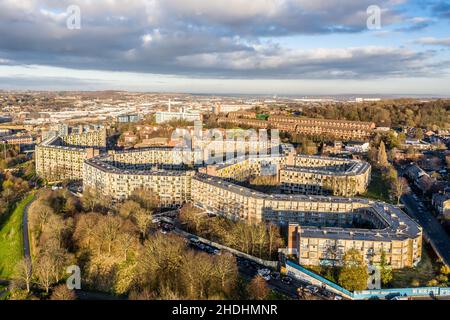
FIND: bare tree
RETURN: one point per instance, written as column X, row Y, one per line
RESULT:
column 399, row 188
column 24, row 272
column 43, row 272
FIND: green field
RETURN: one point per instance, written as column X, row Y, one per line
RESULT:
column 11, row 240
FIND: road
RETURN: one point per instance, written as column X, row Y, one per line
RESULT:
column 289, row 290
column 433, row 230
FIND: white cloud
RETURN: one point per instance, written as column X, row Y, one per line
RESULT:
column 435, row 41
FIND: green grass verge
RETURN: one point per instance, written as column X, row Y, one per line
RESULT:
column 378, row 189
column 11, row 240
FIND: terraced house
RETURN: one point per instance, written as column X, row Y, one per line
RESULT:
column 333, row 129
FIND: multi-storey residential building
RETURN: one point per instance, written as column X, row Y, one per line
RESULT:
column 61, row 157
column 336, row 129
column 299, row 173
column 55, row 161
column 255, row 123
column 119, row 180
column 17, row 139
column 341, row 223
column 86, row 138
column 320, row 228
column 323, row 175
column 162, row 117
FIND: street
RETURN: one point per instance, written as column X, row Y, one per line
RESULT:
column 432, row 229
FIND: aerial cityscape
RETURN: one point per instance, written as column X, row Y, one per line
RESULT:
column 226, row 154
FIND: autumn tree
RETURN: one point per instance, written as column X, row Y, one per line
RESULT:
column 257, row 288
column 146, row 198
column 382, row 159
column 61, row 292
column 353, row 275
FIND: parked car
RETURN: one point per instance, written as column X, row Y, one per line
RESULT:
column 264, row 272
column 400, row 298
column 266, row 277
column 286, row 280
column 312, row 289
column 275, row 275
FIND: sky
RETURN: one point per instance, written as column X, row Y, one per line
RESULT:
column 297, row 47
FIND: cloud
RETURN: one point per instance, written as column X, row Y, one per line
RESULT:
column 435, row 41
column 221, row 38
column 416, row 24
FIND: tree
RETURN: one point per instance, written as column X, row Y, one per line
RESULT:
column 128, row 208
column 61, row 292
column 226, row 272
column 385, row 269
column 24, row 272
column 143, row 220
column 382, row 155
column 146, row 198
column 353, row 275
column 445, row 270
column 419, row 134
column 43, row 272
column 399, row 188
column 257, row 288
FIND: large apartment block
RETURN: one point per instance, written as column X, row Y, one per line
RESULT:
column 119, row 180
column 299, row 174
column 328, row 223
column 323, row 175
column 86, row 138
column 61, row 157
column 335, row 129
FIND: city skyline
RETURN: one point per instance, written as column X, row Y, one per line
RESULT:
column 269, row 47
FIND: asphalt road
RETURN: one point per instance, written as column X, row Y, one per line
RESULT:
column 432, row 229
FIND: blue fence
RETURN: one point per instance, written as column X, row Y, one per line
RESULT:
column 319, row 278
column 380, row 294
column 406, row 292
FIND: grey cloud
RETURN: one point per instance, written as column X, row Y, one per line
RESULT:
column 200, row 38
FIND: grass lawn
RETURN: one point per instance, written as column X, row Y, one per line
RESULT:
column 425, row 271
column 11, row 240
column 378, row 189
